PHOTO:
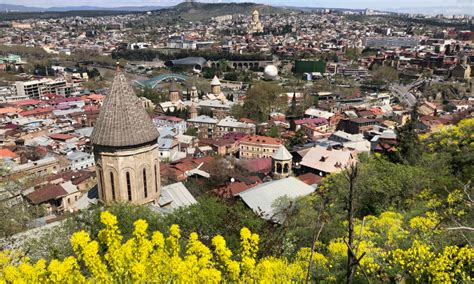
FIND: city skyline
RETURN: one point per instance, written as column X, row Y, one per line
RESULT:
column 357, row 4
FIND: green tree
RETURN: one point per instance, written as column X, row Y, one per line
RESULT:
column 409, row 144
column 261, row 99
column 274, row 132
column 153, row 95
column 297, row 139
column 384, row 74
column 191, row 131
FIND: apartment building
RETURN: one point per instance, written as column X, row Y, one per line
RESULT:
column 230, row 124
column 255, row 146
column 37, row 88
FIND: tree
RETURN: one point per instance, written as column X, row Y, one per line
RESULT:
column 385, row 74
column 453, row 144
column 409, row 144
column 274, row 132
column 292, row 110
column 231, row 76
column 17, row 214
column 352, row 53
column 316, row 101
column 353, row 260
column 298, row 139
column 261, row 99
column 191, row 131
column 153, row 95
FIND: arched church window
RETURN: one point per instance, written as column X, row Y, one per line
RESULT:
column 129, row 186
column 145, row 190
column 156, row 179
column 112, row 184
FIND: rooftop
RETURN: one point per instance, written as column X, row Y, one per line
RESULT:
column 257, row 139
column 261, row 198
column 123, row 121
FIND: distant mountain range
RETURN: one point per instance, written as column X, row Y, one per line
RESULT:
column 20, row 8
column 191, row 10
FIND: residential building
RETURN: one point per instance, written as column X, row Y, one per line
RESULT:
column 255, row 146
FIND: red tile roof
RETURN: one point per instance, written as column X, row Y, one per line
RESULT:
column 27, row 102
column 310, row 178
column 257, row 139
column 49, row 192
column 7, row 153
column 232, row 189
column 37, row 111
column 316, row 120
column 263, row 165
column 61, row 136
column 9, row 110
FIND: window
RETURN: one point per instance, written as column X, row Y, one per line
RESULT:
column 156, row 180
column 145, row 190
column 101, row 184
column 129, row 186
column 112, row 183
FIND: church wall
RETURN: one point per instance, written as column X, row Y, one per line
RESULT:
column 133, row 161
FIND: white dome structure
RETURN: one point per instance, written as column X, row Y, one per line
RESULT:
column 270, row 72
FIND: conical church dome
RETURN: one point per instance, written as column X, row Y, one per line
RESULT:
column 123, row 121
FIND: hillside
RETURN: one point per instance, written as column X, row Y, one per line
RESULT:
column 189, row 11
column 8, row 8
column 11, row 16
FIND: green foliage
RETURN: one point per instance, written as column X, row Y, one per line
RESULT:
column 409, row 144
column 153, row 95
column 209, row 217
column 191, row 131
column 454, row 144
column 297, row 139
column 261, row 99
column 274, row 132
column 444, row 92
column 231, row 76
column 383, row 185
column 151, row 54
column 384, row 75
column 352, row 53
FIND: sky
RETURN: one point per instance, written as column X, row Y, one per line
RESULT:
column 373, row 4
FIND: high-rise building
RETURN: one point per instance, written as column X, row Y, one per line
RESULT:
column 125, row 148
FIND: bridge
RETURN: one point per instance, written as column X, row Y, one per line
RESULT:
column 151, row 83
column 249, row 64
column 405, row 92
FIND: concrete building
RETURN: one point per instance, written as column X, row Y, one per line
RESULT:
column 230, row 124
column 79, row 160
column 125, row 148
column 37, row 88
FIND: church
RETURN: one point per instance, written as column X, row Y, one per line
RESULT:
column 256, row 25
column 125, row 148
